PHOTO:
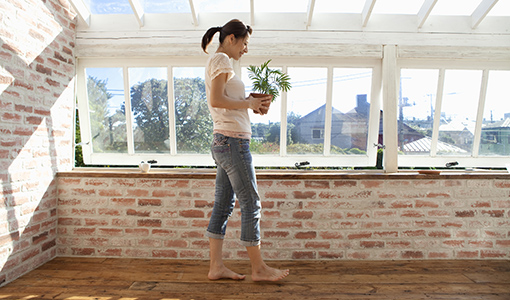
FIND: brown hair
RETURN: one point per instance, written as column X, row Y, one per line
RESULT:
column 235, row 27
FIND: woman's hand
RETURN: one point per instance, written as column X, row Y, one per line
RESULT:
column 259, row 105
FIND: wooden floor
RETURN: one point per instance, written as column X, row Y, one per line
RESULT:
column 140, row 279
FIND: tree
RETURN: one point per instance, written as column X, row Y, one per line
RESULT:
column 194, row 125
column 108, row 129
column 149, row 103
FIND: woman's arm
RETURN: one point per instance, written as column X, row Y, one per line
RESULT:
column 220, row 100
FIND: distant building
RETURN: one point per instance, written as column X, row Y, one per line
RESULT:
column 496, row 138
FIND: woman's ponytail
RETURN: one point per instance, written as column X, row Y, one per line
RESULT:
column 207, row 38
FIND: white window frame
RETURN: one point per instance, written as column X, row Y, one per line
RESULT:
column 176, row 159
column 469, row 161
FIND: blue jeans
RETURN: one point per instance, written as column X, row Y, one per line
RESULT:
column 235, row 176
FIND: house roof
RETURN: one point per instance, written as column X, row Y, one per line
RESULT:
column 498, row 124
column 424, row 144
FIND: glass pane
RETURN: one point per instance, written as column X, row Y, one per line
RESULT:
column 105, row 92
column 417, row 102
column 410, row 7
column 149, row 107
column 351, row 110
column 166, row 6
column 344, row 6
column 496, row 118
column 207, row 6
column 265, row 129
column 306, row 109
column 109, row 6
column 458, row 110
column 455, row 7
column 282, row 6
column 501, row 8
column 194, row 126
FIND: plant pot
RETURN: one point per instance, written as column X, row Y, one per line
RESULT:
column 259, row 95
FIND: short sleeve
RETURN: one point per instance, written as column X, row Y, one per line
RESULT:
column 220, row 63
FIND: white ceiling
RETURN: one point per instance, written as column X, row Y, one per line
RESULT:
column 293, row 27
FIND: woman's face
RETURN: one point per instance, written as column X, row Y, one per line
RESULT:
column 239, row 47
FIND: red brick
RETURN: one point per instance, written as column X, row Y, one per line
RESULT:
column 313, row 184
column 412, row 254
column 465, row 214
column 372, row 244
column 494, row 213
column 306, row 235
column 467, row 254
column 149, row 223
column 165, row 253
column 149, row 202
column 304, row 195
column 369, row 184
column 440, row 234
column 276, row 195
column 330, row 255
column 83, row 251
column 361, row 235
column 303, row 215
column 304, row 255
column 192, row 213
column 493, row 254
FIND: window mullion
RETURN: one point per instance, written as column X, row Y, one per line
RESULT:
column 390, row 96
column 172, row 131
column 437, row 113
column 479, row 116
column 283, row 120
column 129, row 119
column 328, row 116
column 375, row 116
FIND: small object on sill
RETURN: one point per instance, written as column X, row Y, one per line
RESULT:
column 429, row 172
column 144, row 167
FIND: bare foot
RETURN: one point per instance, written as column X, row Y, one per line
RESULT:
column 267, row 273
column 224, row 273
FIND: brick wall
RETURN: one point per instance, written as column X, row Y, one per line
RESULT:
column 347, row 219
column 36, row 111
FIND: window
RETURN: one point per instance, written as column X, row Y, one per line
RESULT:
column 332, row 116
column 136, row 113
column 453, row 113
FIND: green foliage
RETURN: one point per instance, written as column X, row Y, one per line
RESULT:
column 108, row 130
column 268, row 81
column 149, row 103
column 78, row 153
column 194, row 125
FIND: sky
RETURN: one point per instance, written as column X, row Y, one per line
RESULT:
column 442, row 7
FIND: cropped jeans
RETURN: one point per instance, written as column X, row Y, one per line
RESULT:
column 235, row 176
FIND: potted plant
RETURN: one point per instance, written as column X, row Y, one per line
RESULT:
column 267, row 81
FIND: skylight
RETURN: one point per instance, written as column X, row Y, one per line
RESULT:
column 109, row 6
column 410, row 7
column 217, row 6
column 166, row 6
column 455, row 7
column 343, row 6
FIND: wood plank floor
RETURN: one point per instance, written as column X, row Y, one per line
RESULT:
column 143, row 279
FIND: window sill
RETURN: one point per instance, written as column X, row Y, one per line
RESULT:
column 284, row 174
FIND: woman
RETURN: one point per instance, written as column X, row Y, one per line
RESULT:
column 231, row 152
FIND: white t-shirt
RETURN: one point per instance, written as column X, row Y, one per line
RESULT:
column 226, row 121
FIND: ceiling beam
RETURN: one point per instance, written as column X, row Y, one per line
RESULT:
column 194, row 13
column 309, row 13
column 367, row 11
column 138, row 11
column 481, row 12
column 82, row 10
column 424, row 12
column 252, row 12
